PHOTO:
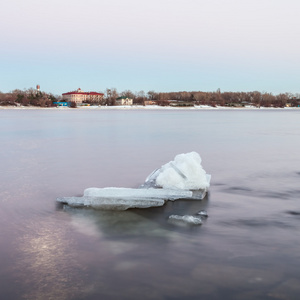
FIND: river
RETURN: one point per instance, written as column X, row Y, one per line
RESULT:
column 247, row 248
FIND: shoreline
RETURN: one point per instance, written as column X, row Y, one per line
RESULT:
column 148, row 107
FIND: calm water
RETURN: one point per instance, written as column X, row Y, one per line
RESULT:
column 248, row 248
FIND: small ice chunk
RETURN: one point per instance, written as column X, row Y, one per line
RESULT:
column 202, row 213
column 185, row 172
column 186, row 219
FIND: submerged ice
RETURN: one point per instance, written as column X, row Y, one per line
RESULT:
column 182, row 178
column 111, row 203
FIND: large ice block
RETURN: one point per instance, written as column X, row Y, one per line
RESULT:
column 124, row 198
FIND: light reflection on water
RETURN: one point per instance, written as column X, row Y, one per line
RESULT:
column 47, row 263
column 248, row 247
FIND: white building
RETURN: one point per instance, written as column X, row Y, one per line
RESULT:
column 124, row 101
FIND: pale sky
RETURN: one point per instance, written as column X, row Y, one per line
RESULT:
column 160, row 45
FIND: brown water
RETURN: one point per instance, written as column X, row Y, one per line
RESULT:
column 248, row 248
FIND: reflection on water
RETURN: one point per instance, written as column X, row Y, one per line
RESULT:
column 248, row 247
column 46, row 263
column 141, row 223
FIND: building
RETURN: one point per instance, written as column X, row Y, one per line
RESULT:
column 150, row 102
column 80, row 96
column 124, row 101
column 61, row 103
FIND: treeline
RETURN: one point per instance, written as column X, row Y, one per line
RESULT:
column 30, row 97
column 37, row 98
column 216, row 98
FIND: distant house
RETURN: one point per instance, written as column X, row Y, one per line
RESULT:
column 177, row 103
column 150, row 102
column 124, row 101
column 80, row 96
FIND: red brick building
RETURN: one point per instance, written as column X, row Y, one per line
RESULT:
column 80, row 96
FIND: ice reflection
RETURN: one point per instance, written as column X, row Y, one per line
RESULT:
column 151, row 222
column 113, row 223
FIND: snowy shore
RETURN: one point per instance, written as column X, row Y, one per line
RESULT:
column 148, row 107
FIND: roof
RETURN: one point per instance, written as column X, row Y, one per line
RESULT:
column 83, row 93
column 123, row 97
column 94, row 93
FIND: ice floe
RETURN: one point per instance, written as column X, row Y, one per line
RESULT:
column 182, row 178
column 128, row 193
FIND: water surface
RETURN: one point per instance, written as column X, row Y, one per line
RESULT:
column 248, row 248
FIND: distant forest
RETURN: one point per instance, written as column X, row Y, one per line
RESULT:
column 32, row 97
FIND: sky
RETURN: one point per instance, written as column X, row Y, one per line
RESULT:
column 155, row 45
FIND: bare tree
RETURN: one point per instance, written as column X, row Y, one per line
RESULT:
column 111, row 96
column 128, row 94
column 152, row 95
column 140, row 98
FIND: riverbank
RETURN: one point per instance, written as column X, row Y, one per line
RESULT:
column 148, row 107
